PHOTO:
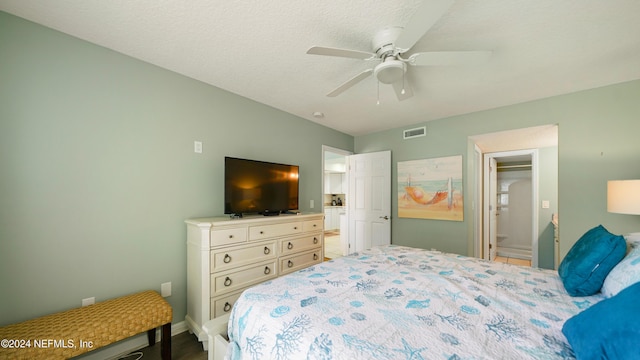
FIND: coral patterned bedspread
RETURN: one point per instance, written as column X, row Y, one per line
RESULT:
column 395, row 302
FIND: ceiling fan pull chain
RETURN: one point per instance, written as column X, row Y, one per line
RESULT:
column 378, row 102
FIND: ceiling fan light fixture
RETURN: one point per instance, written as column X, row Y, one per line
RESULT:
column 389, row 71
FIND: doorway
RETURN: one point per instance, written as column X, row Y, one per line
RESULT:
column 542, row 143
column 511, row 190
column 334, row 201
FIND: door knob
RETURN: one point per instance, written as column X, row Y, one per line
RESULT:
column 384, row 217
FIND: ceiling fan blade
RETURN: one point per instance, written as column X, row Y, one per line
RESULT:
column 354, row 80
column 398, row 86
column 446, row 58
column 423, row 19
column 354, row 54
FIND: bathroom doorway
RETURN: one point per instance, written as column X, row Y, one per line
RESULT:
column 511, row 192
column 514, row 208
column 513, row 149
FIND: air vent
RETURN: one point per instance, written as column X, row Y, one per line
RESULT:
column 413, row 133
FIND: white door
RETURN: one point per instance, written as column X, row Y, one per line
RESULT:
column 491, row 207
column 369, row 202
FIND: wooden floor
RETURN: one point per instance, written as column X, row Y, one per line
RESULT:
column 184, row 346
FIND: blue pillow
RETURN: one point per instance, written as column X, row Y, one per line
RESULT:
column 609, row 329
column 589, row 261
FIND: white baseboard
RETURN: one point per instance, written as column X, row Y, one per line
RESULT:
column 131, row 344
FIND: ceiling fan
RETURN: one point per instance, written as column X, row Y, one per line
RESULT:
column 391, row 46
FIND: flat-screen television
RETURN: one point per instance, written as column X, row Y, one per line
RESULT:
column 252, row 186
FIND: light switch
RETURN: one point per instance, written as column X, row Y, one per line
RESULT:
column 165, row 289
column 545, row 204
column 88, row 301
column 197, row 147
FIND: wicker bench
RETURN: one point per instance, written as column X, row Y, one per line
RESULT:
column 77, row 331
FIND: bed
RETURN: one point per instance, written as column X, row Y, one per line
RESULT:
column 395, row 302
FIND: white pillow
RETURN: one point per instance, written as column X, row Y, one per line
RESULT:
column 627, row 272
column 632, row 237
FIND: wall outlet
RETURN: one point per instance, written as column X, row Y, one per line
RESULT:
column 197, row 147
column 88, row 301
column 311, row 204
column 165, row 289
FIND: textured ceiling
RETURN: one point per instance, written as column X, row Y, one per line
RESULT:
column 257, row 49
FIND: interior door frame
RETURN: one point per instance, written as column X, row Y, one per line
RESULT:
column 476, row 206
column 490, row 174
column 346, row 153
column 534, row 201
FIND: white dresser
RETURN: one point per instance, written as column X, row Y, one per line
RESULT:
column 225, row 256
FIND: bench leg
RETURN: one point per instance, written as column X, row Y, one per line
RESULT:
column 151, row 335
column 165, row 346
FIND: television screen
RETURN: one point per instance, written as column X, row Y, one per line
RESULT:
column 252, row 186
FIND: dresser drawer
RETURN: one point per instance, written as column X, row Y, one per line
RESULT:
column 227, row 258
column 312, row 225
column 294, row 245
column 228, row 281
column 228, row 236
column 223, row 305
column 268, row 231
column 300, row 261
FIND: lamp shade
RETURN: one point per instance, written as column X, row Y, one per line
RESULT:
column 623, row 196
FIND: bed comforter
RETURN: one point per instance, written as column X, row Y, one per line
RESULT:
column 395, row 302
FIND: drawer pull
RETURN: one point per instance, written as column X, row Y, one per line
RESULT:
column 295, row 228
column 315, row 256
column 315, row 240
column 227, row 258
column 227, row 281
column 227, row 307
column 266, row 250
column 261, row 232
column 290, row 246
column 290, row 263
column 230, row 236
column 267, row 271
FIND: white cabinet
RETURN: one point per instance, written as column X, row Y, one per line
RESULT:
column 327, row 183
column 225, row 256
column 332, row 217
column 328, row 224
column 334, row 183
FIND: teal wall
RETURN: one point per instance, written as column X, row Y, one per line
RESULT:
column 597, row 141
column 97, row 169
column 98, row 173
column 547, row 190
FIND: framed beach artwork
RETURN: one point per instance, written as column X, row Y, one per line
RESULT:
column 431, row 189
